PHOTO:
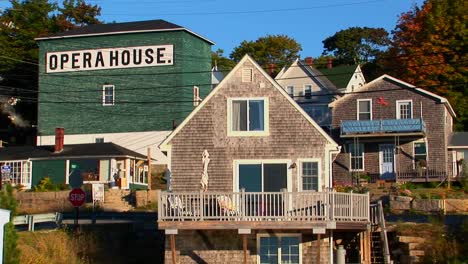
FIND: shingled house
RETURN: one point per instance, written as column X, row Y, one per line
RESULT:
column 250, row 180
column 392, row 130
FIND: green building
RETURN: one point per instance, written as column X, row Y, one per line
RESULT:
column 126, row 83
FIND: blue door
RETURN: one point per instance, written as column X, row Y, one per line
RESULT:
column 387, row 161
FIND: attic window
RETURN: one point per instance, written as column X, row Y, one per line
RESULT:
column 196, row 96
column 247, row 75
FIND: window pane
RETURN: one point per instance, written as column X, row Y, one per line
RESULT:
column 290, row 90
column 250, row 177
column 364, row 106
column 275, row 177
column 310, row 176
column 420, row 148
column 256, row 112
column 405, row 110
column 364, row 116
column 356, row 153
column 269, row 250
column 239, row 115
column 290, row 250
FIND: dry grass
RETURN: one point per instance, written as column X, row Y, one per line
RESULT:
column 55, row 247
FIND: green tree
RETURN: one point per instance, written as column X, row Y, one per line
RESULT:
column 224, row 64
column 279, row 50
column 8, row 201
column 356, row 45
column 429, row 49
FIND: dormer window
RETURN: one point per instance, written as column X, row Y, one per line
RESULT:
column 248, row 117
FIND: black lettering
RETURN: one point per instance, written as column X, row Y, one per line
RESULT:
column 160, row 54
column 137, row 57
column 63, row 59
column 75, row 61
column 53, row 62
column 86, row 60
column 114, row 58
column 149, row 56
column 125, row 57
column 99, row 59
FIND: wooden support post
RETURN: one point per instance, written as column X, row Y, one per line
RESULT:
column 365, row 243
column 244, row 246
column 149, row 168
column 319, row 237
column 173, row 249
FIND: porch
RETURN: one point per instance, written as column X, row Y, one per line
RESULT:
column 263, row 210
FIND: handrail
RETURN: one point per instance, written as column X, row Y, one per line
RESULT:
column 263, row 206
column 383, row 234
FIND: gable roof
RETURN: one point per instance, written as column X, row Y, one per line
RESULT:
column 340, row 75
column 165, row 143
column 313, row 73
column 95, row 150
column 122, row 28
column 367, row 86
column 458, row 140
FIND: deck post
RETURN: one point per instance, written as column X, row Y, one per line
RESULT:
column 173, row 248
column 244, row 246
column 319, row 236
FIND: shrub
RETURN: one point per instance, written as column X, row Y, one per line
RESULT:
column 46, row 185
column 8, row 201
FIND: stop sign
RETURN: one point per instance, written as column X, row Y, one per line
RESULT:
column 77, row 197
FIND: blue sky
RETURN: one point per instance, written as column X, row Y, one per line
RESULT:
column 228, row 23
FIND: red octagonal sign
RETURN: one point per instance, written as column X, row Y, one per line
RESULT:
column 77, row 197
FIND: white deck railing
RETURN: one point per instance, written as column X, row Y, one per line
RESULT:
column 262, row 206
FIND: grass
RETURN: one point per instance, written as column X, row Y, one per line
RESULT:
column 56, row 246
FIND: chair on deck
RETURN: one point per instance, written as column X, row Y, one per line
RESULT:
column 226, row 205
column 177, row 207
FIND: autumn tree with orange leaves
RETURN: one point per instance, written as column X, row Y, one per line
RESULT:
column 429, row 50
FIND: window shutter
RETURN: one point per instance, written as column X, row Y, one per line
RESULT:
column 247, row 75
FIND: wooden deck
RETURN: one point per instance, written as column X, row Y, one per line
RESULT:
column 275, row 210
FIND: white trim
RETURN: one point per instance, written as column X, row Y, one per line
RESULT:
column 226, row 80
column 279, row 235
column 127, row 32
column 319, row 173
column 196, row 96
column 29, row 174
column 237, row 162
column 363, row 157
column 104, row 94
column 67, row 172
column 381, row 157
column 357, row 107
column 249, row 133
column 385, row 76
column 398, row 105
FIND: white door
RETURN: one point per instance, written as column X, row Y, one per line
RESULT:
column 387, row 161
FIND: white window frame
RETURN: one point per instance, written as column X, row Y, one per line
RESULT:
column 137, row 170
column 299, row 174
column 291, row 93
column 399, row 103
column 279, row 235
column 28, row 174
column 311, row 90
column 236, row 163
column 351, row 160
column 266, row 114
column 196, row 96
column 423, row 140
column 247, row 75
column 357, row 107
column 104, row 94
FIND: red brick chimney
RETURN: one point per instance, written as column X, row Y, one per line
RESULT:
column 59, row 138
column 309, row 61
column 271, row 69
column 329, row 63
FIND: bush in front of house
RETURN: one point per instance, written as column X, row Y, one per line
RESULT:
column 46, row 185
column 8, row 201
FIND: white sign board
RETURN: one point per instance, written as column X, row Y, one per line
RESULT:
column 98, row 192
column 109, row 58
column 5, row 172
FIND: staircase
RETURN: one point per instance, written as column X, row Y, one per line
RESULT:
column 117, row 200
column 379, row 243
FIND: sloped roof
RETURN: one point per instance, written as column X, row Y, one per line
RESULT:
column 459, row 139
column 121, row 28
column 389, row 78
column 101, row 150
column 165, row 144
column 339, row 75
